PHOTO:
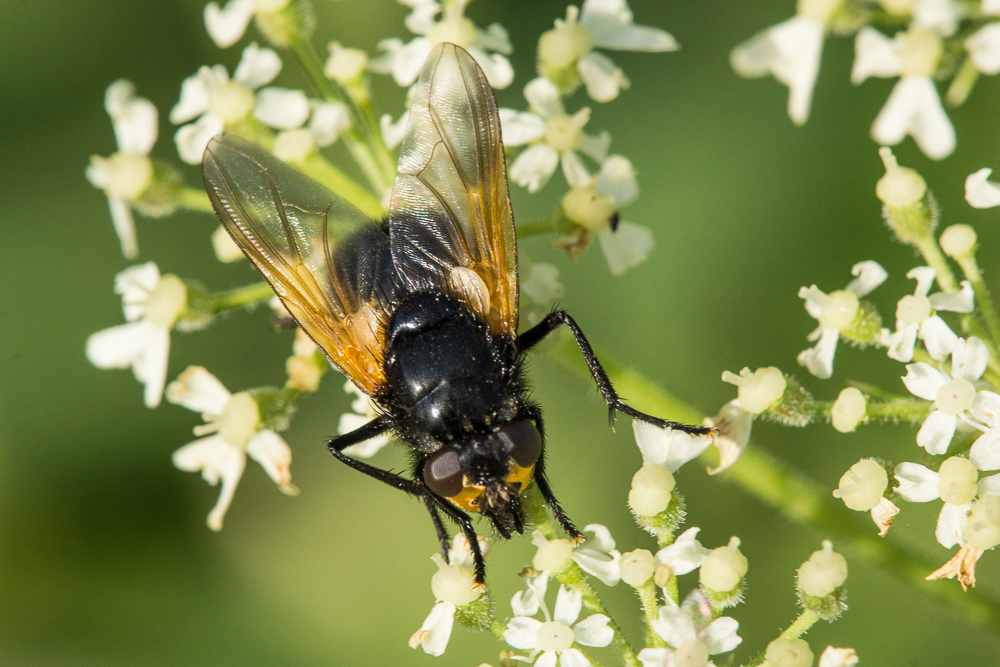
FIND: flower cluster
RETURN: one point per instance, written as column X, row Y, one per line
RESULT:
column 933, row 40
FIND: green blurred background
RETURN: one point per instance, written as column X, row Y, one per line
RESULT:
column 104, row 555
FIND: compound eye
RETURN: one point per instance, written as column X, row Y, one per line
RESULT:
column 523, row 441
column 443, row 473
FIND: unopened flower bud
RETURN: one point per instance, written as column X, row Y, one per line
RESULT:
column 345, row 65
column 758, row 390
column 848, row 410
column 651, row 490
column 958, row 241
column 788, row 653
column 724, row 569
column 454, row 583
column 293, row 145
column 863, row 485
column 303, row 373
column 983, row 529
column 957, row 485
column 901, row 186
column 636, row 567
column 823, row 573
column 551, row 556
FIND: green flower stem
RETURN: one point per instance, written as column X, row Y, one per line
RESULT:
column 573, row 577
column 962, row 84
column 911, row 410
column 801, row 625
column 650, row 611
column 319, row 168
column 361, row 148
column 239, row 297
column 970, row 267
column 797, row 496
column 194, row 199
column 932, row 254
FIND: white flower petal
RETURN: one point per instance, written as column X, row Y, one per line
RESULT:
column 798, row 44
column 547, row 659
column 602, row 78
column 194, row 98
column 626, row 247
column 574, row 171
column 393, row 132
column 902, row 341
column 520, row 127
column 258, row 66
column 281, row 108
column 936, row 432
column 989, row 486
column 226, row 26
column 673, row 625
column 435, row 631
column 594, row 631
column 923, row 380
column 274, row 455
column 986, row 408
column 134, row 284
column 328, row 121
column 543, row 97
column 985, row 452
column 917, row 484
column 969, row 359
column 522, row 632
column 151, row 367
column 684, row 555
column 421, row 20
column 720, row 636
column 818, row 359
column 611, row 27
column 875, row 55
column 496, row 67
column 990, row 7
column 617, row 178
column 409, row 59
column 914, row 108
column 942, row 16
column 595, row 145
column 656, row 657
column 838, row 657
column 120, row 346
column 951, row 524
column 494, row 38
column 984, row 48
column 979, row 192
column 191, row 139
column 569, row 602
column 670, row 448
column 937, row 336
column 121, row 218
column 533, row 168
column 217, row 460
column 868, row 274
column 197, row 389
column 962, row 301
column 134, row 118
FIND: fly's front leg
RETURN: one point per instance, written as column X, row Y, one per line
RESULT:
column 552, row 321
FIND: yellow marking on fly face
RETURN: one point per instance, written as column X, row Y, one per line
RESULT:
column 469, row 497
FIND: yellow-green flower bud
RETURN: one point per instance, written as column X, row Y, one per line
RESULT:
column 863, row 485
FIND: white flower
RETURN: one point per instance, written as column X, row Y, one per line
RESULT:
column 835, row 312
column 953, row 395
column 218, row 102
column 364, row 412
column 979, row 192
column 226, row 25
column 234, row 422
column 404, row 61
column 532, row 598
column 540, row 282
column 678, row 627
column 733, row 425
column 916, row 315
column 152, row 304
column 838, row 657
column 553, row 134
column 789, row 51
column 985, row 452
column 984, row 48
column 593, row 202
column 328, row 120
column 596, row 556
column 914, row 106
column 126, row 174
column 454, row 586
column 669, row 448
column 605, row 24
column 685, row 554
column 552, row 641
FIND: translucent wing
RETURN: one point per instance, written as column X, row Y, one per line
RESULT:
column 451, row 226
column 330, row 264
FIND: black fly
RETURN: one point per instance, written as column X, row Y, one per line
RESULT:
column 419, row 311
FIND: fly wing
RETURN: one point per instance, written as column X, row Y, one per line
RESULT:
column 451, row 226
column 329, row 264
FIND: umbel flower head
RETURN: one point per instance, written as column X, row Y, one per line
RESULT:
column 234, row 430
column 125, row 175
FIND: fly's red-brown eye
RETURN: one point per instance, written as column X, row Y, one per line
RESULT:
column 522, row 441
column 443, row 473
